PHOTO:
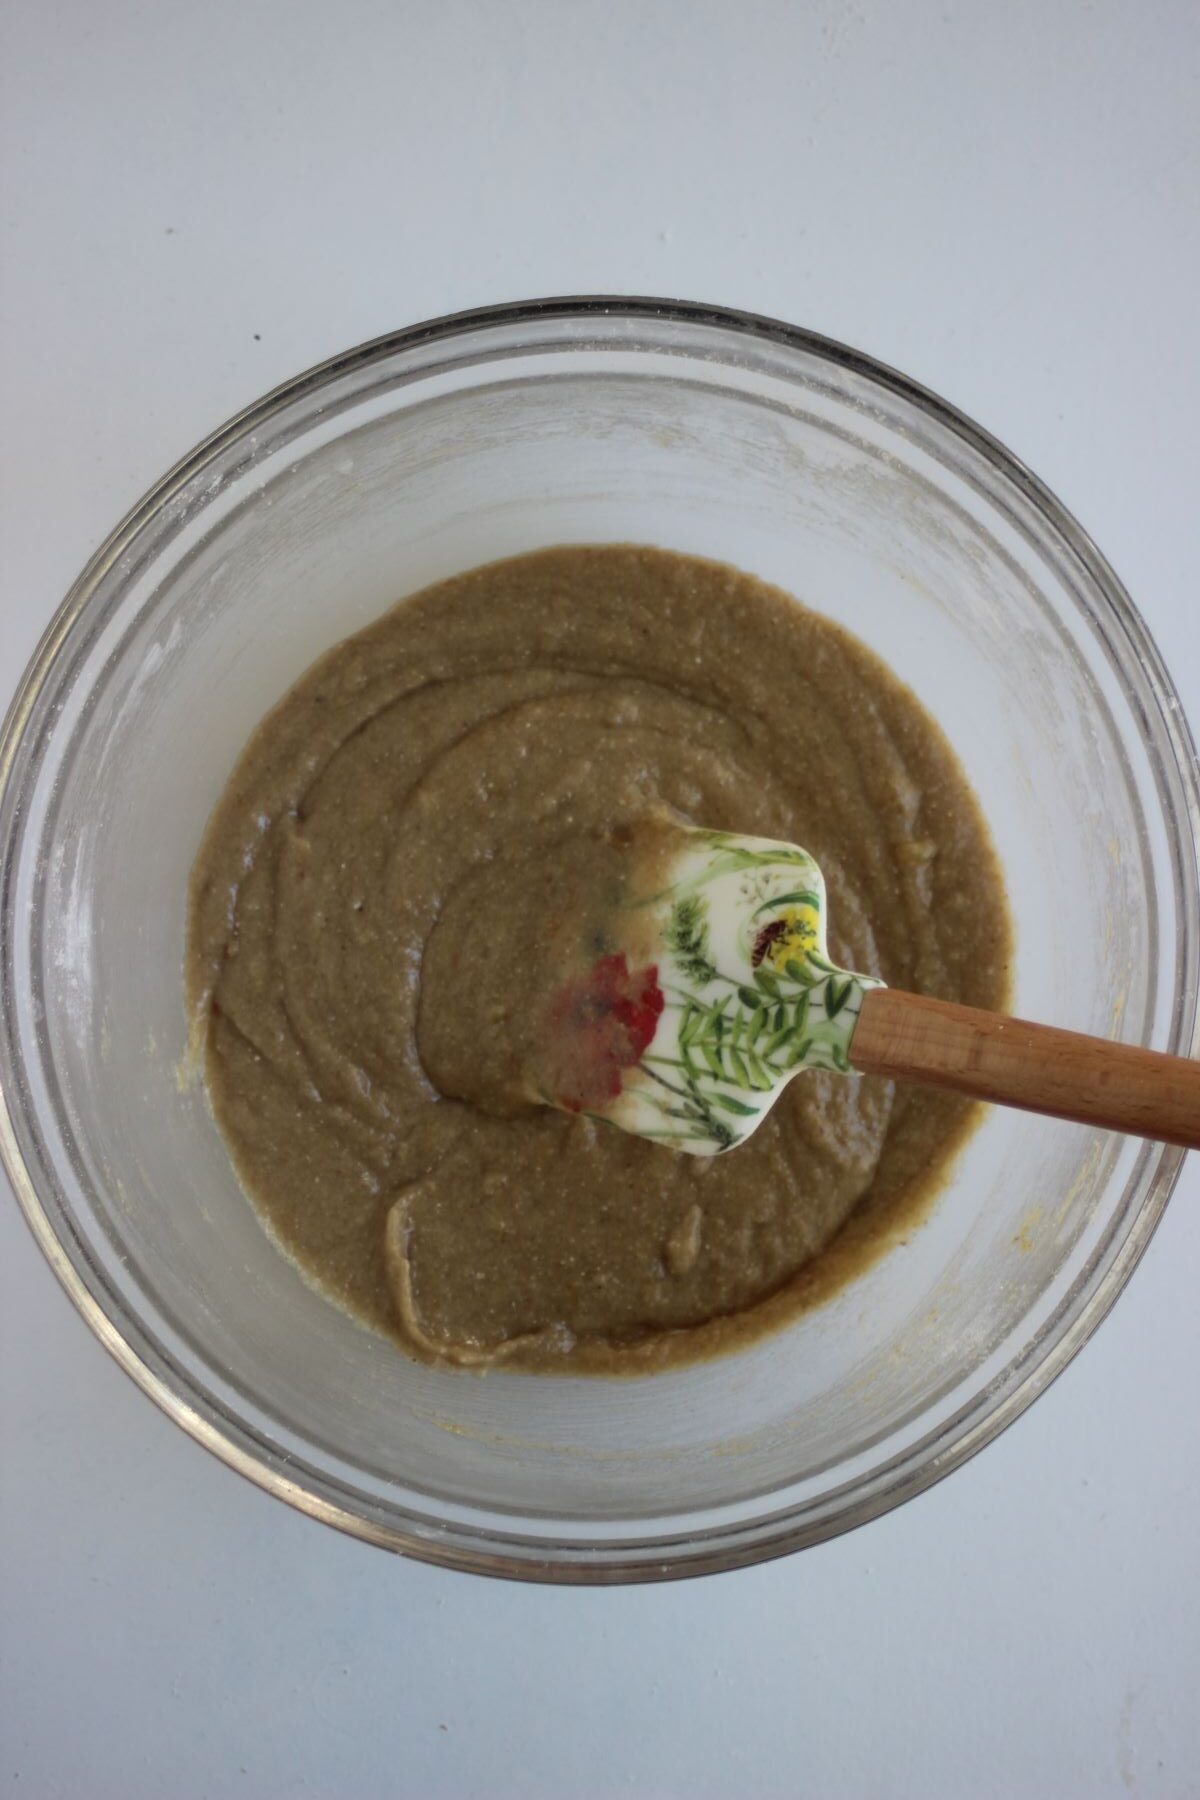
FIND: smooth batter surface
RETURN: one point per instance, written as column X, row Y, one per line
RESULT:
column 501, row 736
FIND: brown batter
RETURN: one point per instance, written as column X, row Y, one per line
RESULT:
column 425, row 808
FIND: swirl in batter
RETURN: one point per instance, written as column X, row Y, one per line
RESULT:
column 364, row 890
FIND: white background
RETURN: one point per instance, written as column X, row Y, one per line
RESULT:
column 199, row 201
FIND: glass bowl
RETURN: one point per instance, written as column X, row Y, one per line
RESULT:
column 404, row 461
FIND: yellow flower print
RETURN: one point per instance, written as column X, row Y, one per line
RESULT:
column 789, row 938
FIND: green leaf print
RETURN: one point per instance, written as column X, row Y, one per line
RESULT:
column 687, row 937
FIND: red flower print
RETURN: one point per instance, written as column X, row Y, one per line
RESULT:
column 599, row 1027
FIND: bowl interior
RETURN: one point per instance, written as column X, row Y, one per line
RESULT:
column 304, row 525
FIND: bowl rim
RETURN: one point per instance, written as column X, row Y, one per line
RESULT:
column 651, row 1558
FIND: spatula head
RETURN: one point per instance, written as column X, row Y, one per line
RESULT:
column 730, row 994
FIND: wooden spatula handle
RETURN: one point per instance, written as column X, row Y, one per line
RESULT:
column 1036, row 1067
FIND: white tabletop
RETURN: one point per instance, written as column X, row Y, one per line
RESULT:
column 199, row 201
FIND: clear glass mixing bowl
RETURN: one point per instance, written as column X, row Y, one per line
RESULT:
column 431, row 450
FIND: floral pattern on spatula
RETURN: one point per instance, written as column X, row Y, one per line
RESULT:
column 692, row 1049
